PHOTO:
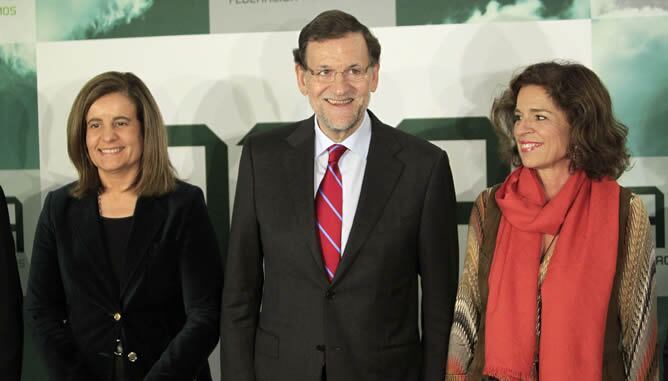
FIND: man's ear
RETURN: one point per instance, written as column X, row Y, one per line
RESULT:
column 373, row 85
column 301, row 79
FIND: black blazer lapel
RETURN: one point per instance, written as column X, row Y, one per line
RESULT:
column 89, row 231
column 149, row 218
column 298, row 166
column 380, row 178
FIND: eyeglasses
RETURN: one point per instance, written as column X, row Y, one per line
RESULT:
column 352, row 74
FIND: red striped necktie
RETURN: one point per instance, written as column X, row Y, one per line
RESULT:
column 329, row 211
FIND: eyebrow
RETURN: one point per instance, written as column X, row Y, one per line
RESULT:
column 347, row 67
column 535, row 110
column 114, row 119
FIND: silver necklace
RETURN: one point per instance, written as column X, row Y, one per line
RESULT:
column 99, row 201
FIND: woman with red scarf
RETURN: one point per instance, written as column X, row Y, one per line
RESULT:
column 558, row 281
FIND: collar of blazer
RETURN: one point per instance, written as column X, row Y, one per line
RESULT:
column 383, row 169
column 149, row 218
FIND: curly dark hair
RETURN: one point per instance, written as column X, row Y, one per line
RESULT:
column 330, row 25
column 597, row 139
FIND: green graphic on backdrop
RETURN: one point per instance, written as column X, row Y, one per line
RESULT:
column 19, row 145
column 167, row 18
column 658, row 219
column 626, row 8
column 14, row 204
column 76, row 20
column 217, row 189
column 465, row 128
column 419, row 12
column 631, row 56
column 7, row 10
column 261, row 127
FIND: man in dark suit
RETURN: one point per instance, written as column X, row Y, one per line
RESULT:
column 11, row 299
column 335, row 217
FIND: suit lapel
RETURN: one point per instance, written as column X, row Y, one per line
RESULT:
column 89, row 231
column 380, row 178
column 149, row 218
column 298, row 168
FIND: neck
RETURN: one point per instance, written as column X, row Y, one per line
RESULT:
column 552, row 181
column 117, row 183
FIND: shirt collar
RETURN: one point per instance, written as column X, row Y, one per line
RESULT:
column 357, row 143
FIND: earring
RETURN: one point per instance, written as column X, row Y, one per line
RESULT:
column 574, row 153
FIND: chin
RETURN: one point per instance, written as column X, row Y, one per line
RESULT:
column 525, row 163
column 339, row 125
column 342, row 128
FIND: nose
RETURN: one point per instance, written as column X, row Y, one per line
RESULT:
column 108, row 133
column 340, row 84
column 521, row 127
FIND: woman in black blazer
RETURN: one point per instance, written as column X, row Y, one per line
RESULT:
column 11, row 299
column 125, row 279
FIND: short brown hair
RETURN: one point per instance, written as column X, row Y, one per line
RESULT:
column 597, row 140
column 334, row 24
column 156, row 175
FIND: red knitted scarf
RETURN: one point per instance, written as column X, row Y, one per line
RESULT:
column 576, row 289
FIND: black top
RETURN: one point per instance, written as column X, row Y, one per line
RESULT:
column 116, row 235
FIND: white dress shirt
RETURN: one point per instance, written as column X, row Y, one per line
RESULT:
column 351, row 164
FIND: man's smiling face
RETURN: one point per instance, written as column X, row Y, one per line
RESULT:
column 339, row 106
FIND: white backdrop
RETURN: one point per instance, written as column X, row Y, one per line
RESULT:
column 230, row 82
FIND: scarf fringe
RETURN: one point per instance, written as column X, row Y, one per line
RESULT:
column 505, row 374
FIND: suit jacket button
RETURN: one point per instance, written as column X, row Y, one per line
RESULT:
column 117, row 316
column 330, row 294
column 320, row 348
column 132, row 357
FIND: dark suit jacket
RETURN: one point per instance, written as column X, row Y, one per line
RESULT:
column 11, row 298
column 364, row 325
column 665, row 361
column 169, row 295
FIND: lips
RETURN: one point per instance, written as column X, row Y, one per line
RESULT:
column 528, row 146
column 110, row 151
column 339, row 102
